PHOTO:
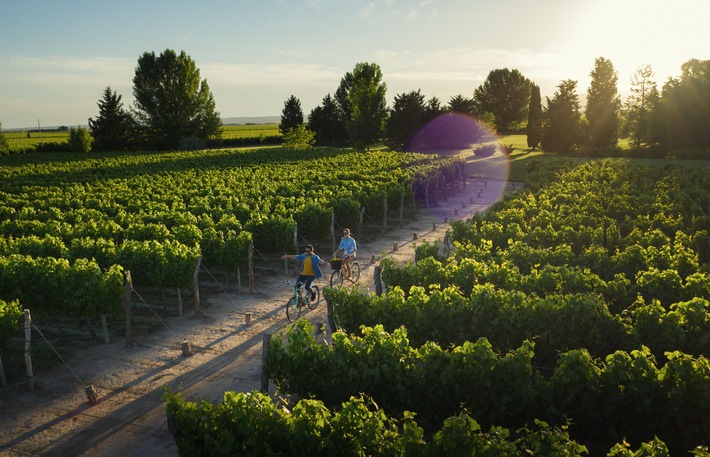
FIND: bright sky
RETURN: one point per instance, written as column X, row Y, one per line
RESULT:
column 57, row 57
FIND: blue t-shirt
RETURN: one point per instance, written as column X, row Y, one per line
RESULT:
column 348, row 245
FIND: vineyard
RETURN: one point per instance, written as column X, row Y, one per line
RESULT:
column 72, row 225
column 569, row 319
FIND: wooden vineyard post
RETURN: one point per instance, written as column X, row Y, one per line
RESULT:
column 179, row 299
column 128, row 289
column 359, row 224
column 332, row 231
column 196, row 286
column 104, row 327
column 378, row 280
column 3, row 380
column 265, row 344
column 295, row 237
column 250, row 257
column 414, row 202
column 28, row 351
column 401, row 210
column 331, row 318
column 384, row 217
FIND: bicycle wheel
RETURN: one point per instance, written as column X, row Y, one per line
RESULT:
column 354, row 271
column 293, row 309
column 314, row 299
column 336, row 279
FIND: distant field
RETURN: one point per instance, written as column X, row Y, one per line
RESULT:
column 21, row 140
column 250, row 131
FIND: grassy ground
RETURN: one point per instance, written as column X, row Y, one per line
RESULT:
column 250, row 131
column 521, row 154
column 22, row 140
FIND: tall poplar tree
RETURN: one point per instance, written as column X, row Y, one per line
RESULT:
column 603, row 105
column 640, row 106
column 534, row 129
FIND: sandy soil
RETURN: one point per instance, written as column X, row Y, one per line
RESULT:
column 56, row 419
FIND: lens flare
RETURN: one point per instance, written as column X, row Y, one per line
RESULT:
column 487, row 167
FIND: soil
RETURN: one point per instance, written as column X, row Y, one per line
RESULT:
column 57, row 418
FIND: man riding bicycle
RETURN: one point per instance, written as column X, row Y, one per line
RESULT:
column 347, row 251
column 310, row 268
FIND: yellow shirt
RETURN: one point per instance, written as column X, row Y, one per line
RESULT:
column 308, row 266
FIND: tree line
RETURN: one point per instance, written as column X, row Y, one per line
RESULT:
column 175, row 109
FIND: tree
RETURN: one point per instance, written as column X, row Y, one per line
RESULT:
column 406, row 118
column 684, row 111
column 562, row 119
column 291, row 115
column 534, row 128
column 171, row 102
column 362, row 103
column 640, row 106
column 299, row 137
column 603, row 104
column 4, row 145
column 506, row 94
column 80, row 140
column 432, row 110
column 327, row 124
column 460, row 104
column 114, row 128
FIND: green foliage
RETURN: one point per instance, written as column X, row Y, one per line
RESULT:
column 10, row 314
column 405, row 119
column 299, row 137
column 171, row 102
column 562, row 119
column 603, row 105
column 535, row 120
column 253, row 424
column 80, row 140
column 361, row 96
column 4, row 145
column 506, row 94
column 291, row 116
column 80, row 288
column 326, row 122
column 113, row 129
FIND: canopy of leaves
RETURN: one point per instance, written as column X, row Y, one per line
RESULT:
column 685, row 108
column 171, row 102
column 406, row 118
column 325, row 121
column 562, row 130
column 113, row 129
column 291, row 115
column 362, row 101
column 506, row 94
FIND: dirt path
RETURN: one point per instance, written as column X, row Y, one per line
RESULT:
column 129, row 420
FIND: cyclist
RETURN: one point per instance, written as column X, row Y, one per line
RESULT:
column 347, row 250
column 310, row 268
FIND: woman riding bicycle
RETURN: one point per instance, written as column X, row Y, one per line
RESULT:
column 347, row 251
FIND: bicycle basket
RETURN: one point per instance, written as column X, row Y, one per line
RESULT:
column 336, row 263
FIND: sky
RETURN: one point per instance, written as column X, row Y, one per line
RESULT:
column 57, row 57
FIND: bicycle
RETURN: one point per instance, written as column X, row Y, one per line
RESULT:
column 337, row 277
column 301, row 299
